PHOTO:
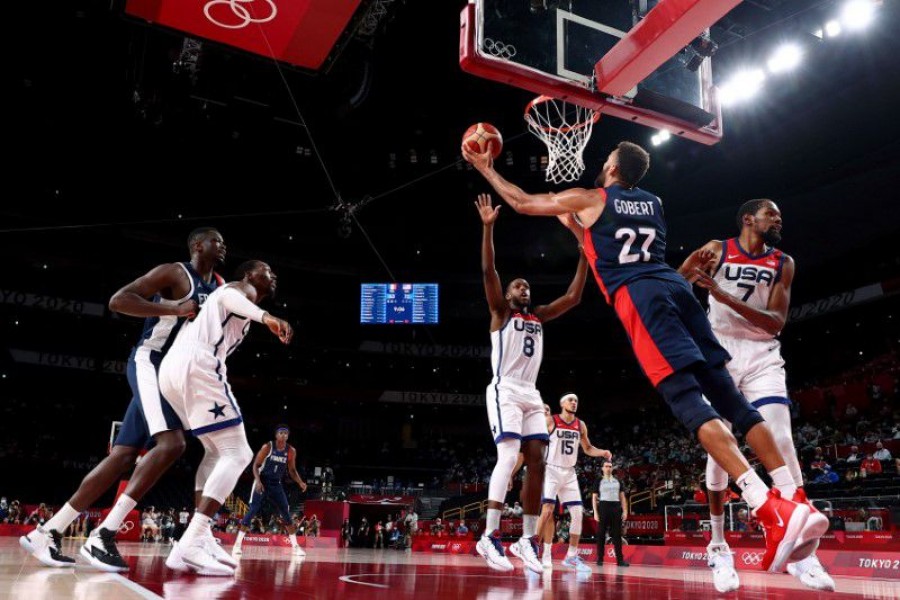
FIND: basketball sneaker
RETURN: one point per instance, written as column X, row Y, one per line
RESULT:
column 720, row 559
column 174, row 560
column 45, row 546
column 198, row 557
column 214, row 549
column 100, row 550
column 782, row 521
column 526, row 549
column 547, row 561
column 576, row 563
column 491, row 549
column 816, row 526
column 812, row 574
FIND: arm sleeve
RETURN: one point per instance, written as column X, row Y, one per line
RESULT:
column 236, row 302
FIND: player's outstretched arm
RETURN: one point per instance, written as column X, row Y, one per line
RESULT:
column 589, row 448
column 771, row 319
column 134, row 299
column 568, row 201
column 240, row 299
column 493, row 290
column 704, row 258
column 570, row 299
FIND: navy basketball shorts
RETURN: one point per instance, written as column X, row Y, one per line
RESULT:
column 148, row 412
column 668, row 328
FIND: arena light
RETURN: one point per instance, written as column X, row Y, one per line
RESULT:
column 832, row 28
column 786, row 58
column 742, row 86
column 655, row 140
column 858, row 14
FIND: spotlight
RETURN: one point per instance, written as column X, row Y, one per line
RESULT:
column 785, row 59
column 858, row 14
column 832, row 29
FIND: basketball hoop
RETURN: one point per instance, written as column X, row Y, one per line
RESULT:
column 565, row 128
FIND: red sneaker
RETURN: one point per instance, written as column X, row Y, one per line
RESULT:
column 816, row 526
column 783, row 521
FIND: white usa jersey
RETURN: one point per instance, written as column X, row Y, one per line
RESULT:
column 214, row 328
column 750, row 279
column 517, row 348
column 565, row 440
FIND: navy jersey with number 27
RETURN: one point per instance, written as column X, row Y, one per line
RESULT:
column 628, row 241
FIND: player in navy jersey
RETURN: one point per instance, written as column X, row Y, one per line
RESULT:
column 749, row 283
column 624, row 232
column 165, row 297
column 514, row 406
column 273, row 460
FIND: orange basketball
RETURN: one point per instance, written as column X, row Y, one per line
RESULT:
column 481, row 136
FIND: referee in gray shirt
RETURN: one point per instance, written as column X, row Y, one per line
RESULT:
column 610, row 510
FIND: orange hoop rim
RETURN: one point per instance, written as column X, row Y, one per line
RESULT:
column 595, row 116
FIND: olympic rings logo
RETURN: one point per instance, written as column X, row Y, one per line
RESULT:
column 126, row 526
column 499, row 49
column 611, row 553
column 240, row 12
column 752, row 558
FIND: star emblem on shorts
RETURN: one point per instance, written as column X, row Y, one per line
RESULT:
column 218, row 410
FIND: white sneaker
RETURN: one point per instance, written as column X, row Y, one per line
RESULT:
column 576, row 563
column 491, row 549
column 198, row 557
column 298, row 552
column 175, row 562
column 547, row 562
column 45, row 546
column 526, row 549
column 236, row 551
column 811, row 574
column 215, row 549
column 720, row 559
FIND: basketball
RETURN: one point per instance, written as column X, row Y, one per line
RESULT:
column 481, row 136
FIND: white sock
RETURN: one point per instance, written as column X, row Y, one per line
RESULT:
column 784, row 481
column 293, row 539
column 199, row 527
column 240, row 538
column 753, row 489
column 62, row 519
column 124, row 505
column 548, row 549
column 529, row 525
column 717, row 522
column 493, row 521
column 572, row 551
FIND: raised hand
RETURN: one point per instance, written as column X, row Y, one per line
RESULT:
column 486, row 211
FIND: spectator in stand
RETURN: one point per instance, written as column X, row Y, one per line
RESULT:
column 437, row 528
column 4, row 509
column 517, row 510
column 412, row 522
column 39, row 516
column 313, row 529
column 184, row 518
column 379, row 534
column 700, row 494
column 851, row 411
column 854, row 456
column 818, row 466
column 167, row 525
column 827, row 476
column 346, row 534
column 881, row 453
column 870, row 466
column 507, row 511
column 462, row 530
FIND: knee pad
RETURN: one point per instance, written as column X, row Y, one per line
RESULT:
column 716, row 477
column 681, row 391
column 725, row 398
column 576, row 514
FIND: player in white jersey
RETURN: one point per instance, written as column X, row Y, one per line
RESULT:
column 567, row 434
column 749, row 283
column 514, row 405
column 194, row 379
column 165, row 296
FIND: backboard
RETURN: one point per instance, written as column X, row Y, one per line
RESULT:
column 632, row 59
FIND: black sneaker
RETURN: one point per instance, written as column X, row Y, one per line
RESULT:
column 45, row 546
column 100, row 550
column 622, row 563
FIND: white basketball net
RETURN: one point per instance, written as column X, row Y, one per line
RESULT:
column 565, row 128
